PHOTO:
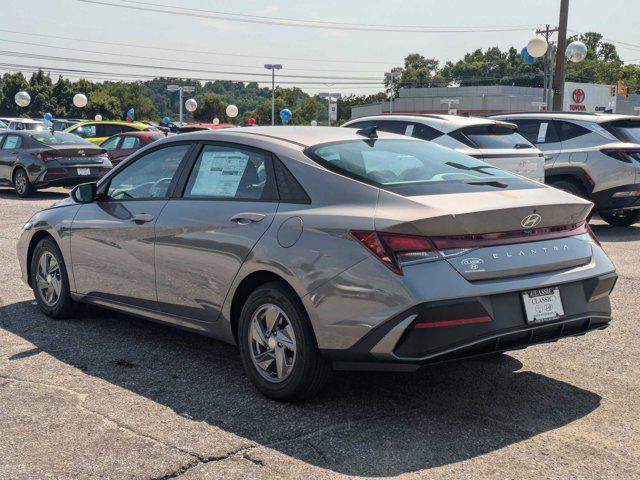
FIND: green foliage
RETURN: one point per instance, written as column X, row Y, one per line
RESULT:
column 210, row 106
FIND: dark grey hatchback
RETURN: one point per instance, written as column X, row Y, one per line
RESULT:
column 31, row 160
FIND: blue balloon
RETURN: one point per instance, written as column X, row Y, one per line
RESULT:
column 48, row 117
column 526, row 58
column 166, row 120
column 285, row 115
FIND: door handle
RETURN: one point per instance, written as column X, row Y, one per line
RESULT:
column 142, row 218
column 247, row 218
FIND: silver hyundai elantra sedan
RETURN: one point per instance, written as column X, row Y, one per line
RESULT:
column 317, row 248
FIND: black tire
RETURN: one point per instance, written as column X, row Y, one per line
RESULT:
column 621, row 219
column 309, row 372
column 21, row 183
column 64, row 306
column 572, row 187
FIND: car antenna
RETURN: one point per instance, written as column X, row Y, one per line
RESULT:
column 371, row 131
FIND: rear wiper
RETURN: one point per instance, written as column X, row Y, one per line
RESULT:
column 522, row 145
column 479, row 168
column 491, row 183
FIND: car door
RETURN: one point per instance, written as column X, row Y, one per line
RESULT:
column 9, row 151
column 128, row 146
column 112, row 239
column 543, row 133
column 5, row 171
column 202, row 237
column 112, row 145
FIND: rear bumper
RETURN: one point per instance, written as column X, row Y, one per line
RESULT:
column 604, row 199
column 67, row 176
column 498, row 324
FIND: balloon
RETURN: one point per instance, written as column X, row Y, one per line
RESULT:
column 576, row 51
column 48, row 117
column 252, row 121
column 98, row 118
column 22, row 99
column 232, row 111
column 216, row 121
column 130, row 115
column 525, row 56
column 314, row 123
column 191, row 105
column 285, row 115
column 537, row 47
column 166, row 120
column 80, row 100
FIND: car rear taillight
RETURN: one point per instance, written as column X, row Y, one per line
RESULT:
column 395, row 250
column 627, row 155
column 46, row 156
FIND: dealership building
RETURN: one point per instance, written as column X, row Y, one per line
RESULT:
column 487, row 100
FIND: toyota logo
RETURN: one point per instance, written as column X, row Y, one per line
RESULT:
column 531, row 221
column 578, row 95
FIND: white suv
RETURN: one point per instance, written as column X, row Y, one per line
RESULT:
column 495, row 142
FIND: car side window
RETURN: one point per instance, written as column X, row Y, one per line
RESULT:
column 111, row 144
column 148, row 176
column 231, row 173
column 107, row 130
column 85, row 131
column 12, row 142
column 537, row 131
column 392, row 126
column 126, row 128
column 130, row 142
column 423, row 132
column 568, row 130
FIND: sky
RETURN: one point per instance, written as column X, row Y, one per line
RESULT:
column 203, row 42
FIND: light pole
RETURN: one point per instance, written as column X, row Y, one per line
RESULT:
column 273, row 67
column 391, row 76
column 449, row 102
column 181, row 89
column 329, row 96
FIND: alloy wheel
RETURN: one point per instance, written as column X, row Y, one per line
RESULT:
column 272, row 343
column 20, row 182
column 49, row 279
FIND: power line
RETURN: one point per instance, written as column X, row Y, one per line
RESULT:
column 299, row 23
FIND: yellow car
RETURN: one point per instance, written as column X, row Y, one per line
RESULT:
column 97, row 132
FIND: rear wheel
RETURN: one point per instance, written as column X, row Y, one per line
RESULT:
column 50, row 282
column 570, row 186
column 21, row 183
column 622, row 218
column 277, row 345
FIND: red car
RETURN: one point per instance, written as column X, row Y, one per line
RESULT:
column 122, row 145
column 195, row 127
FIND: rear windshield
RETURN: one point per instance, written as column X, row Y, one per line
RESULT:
column 33, row 126
column 494, row 136
column 60, row 138
column 412, row 167
column 624, row 130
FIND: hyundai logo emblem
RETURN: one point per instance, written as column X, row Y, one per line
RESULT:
column 531, row 221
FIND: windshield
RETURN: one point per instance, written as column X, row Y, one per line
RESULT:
column 2, row 124
column 624, row 130
column 495, row 136
column 60, row 138
column 33, row 126
column 394, row 164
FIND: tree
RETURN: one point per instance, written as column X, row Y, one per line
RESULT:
column 104, row 104
column 12, row 83
column 210, row 106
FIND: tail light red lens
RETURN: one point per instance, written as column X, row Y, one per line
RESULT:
column 45, row 156
column 394, row 250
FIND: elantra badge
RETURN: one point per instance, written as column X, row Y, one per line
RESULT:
column 531, row 221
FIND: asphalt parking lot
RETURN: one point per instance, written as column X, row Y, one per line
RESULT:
column 112, row 396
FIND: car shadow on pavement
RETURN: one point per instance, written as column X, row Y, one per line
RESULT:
column 38, row 195
column 607, row 233
column 363, row 424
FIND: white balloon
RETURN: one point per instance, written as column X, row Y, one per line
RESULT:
column 576, row 51
column 314, row 123
column 98, row 118
column 232, row 111
column 216, row 121
column 191, row 105
column 80, row 100
column 537, row 47
column 22, row 99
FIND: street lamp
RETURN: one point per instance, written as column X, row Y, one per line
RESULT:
column 181, row 89
column 273, row 67
column 329, row 96
column 391, row 76
column 449, row 102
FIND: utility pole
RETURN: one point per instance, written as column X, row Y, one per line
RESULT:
column 391, row 76
column 180, row 89
column 558, row 74
column 548, row 69
column 273, row 67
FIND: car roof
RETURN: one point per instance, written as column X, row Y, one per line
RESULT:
column 587, row 116
column 26, row 120
column 140, row 126
column 443, row 122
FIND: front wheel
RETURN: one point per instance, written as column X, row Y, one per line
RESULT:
column 21, row 183
column 278, row 347
column 622, row 218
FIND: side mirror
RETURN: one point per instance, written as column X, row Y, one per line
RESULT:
column 84, row 193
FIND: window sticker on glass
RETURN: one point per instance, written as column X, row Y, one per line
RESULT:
column 409, row 131
column 219, row 174
column 542, row 133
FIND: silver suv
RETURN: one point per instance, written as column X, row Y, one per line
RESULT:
column 594, row 156
column 497, row 143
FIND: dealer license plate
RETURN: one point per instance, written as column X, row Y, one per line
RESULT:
column 543, row 305
column 84, row 171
